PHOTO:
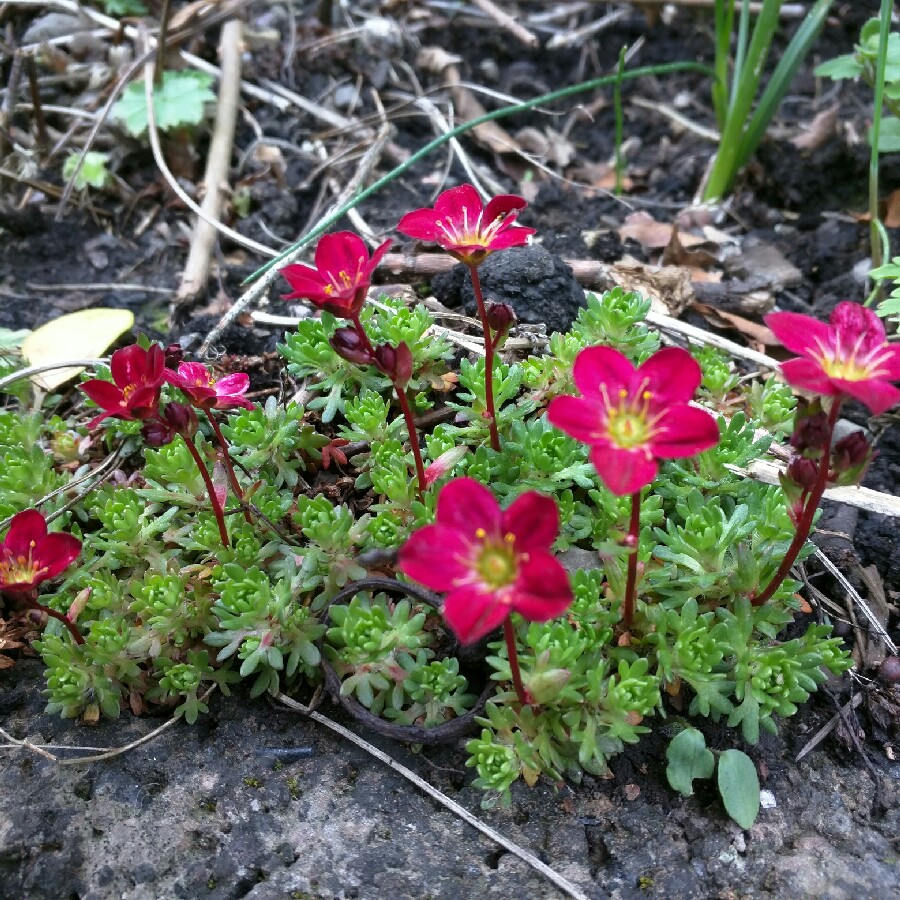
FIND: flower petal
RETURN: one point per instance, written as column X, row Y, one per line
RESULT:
column 878, row 395
column 467, row 505
column 155, row 366
column 378, row 255
column 624, row 471
column 307, row 283
column 684, row 431
column 808, row 375
column 534, row 520
column 514, row 236
column 501, row 206
column 107, row 396
column 438, row 557
column 472, row 613
column 233, row 385
column 56, row 553
column 543, row 590
column 420, row 225
column 602, row 366
column 128, row 365
column 341, row 251
column 582, row 418
column 798, row 333
column 459, row 203
column 26, row 527
column 672, row 375
column 888, row 365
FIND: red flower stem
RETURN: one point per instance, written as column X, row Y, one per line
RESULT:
column 510, row 634
column 229, row 468
column 211, row 490
column 363, row 336
column 809, row 511
column 413, row 438
column 73, row 628
column 634, row 539
column 488, row 359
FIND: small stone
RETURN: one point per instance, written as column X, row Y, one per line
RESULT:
column 889, row 671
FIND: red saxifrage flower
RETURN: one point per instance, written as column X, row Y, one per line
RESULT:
column 29, row 555
column 632, row 417
column 491, row 562
column 341, row 276
column 205, row 392
column 848, row 356
column 467, row 229
column 137, row 381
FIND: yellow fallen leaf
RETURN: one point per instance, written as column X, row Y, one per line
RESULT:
column 85, row 334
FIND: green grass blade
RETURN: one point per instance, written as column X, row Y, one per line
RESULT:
column 781, row 79
column 724, row 26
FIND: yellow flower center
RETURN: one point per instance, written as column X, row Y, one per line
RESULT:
column 497, row 563
column 18, row 569
column 628, row 424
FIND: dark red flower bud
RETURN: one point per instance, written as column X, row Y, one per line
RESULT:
column 395, row 362
column 889, row 670
column 810, row 432
column 181, row 418
column 849, row 451
column 500, row 317
column 174, row 356
column 349, row 345
column 157, row 433
column 803, row 472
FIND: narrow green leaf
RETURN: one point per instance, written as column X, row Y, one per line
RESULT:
column 739, row 787
column 688, row 759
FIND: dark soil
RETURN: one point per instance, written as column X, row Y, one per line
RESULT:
column 184, row 816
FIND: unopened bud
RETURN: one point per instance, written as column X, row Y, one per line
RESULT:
column 174, row 356
column 544, row 686
column 849, row 452
column 181, row 418
column 395, row 362
column 444, row 463
column 349, row 345
column 157, row 433
column 500, row 317
column 803, row 472
column 810, row 432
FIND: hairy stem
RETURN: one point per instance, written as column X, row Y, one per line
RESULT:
column 510, row 635
column 413, row 438
column 229, row 468
column 634, row 536
column 804, row 525
column 363, row 336
column 32, row 601
column 488, row 359
column 210, row 489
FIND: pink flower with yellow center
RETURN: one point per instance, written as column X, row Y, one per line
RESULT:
column 28, row 555
column 137, row 381
column 467, row 229
column 204, row 391
column 848, row 356
column 341, row 277
column 632, row 417
column 492, row 562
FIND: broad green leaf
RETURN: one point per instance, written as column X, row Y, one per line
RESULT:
column 10, row 340
column 179, row 100
column 688, row 759
column 841, row 67
column 93, row 171
column 739, row 787
column 889, row 137
column 83, row 334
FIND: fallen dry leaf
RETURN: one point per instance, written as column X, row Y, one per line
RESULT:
column 642, row 227
column 631, row 791
column 667, row 287
column 677, row 254
column 758, row 336
column 819, row 131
